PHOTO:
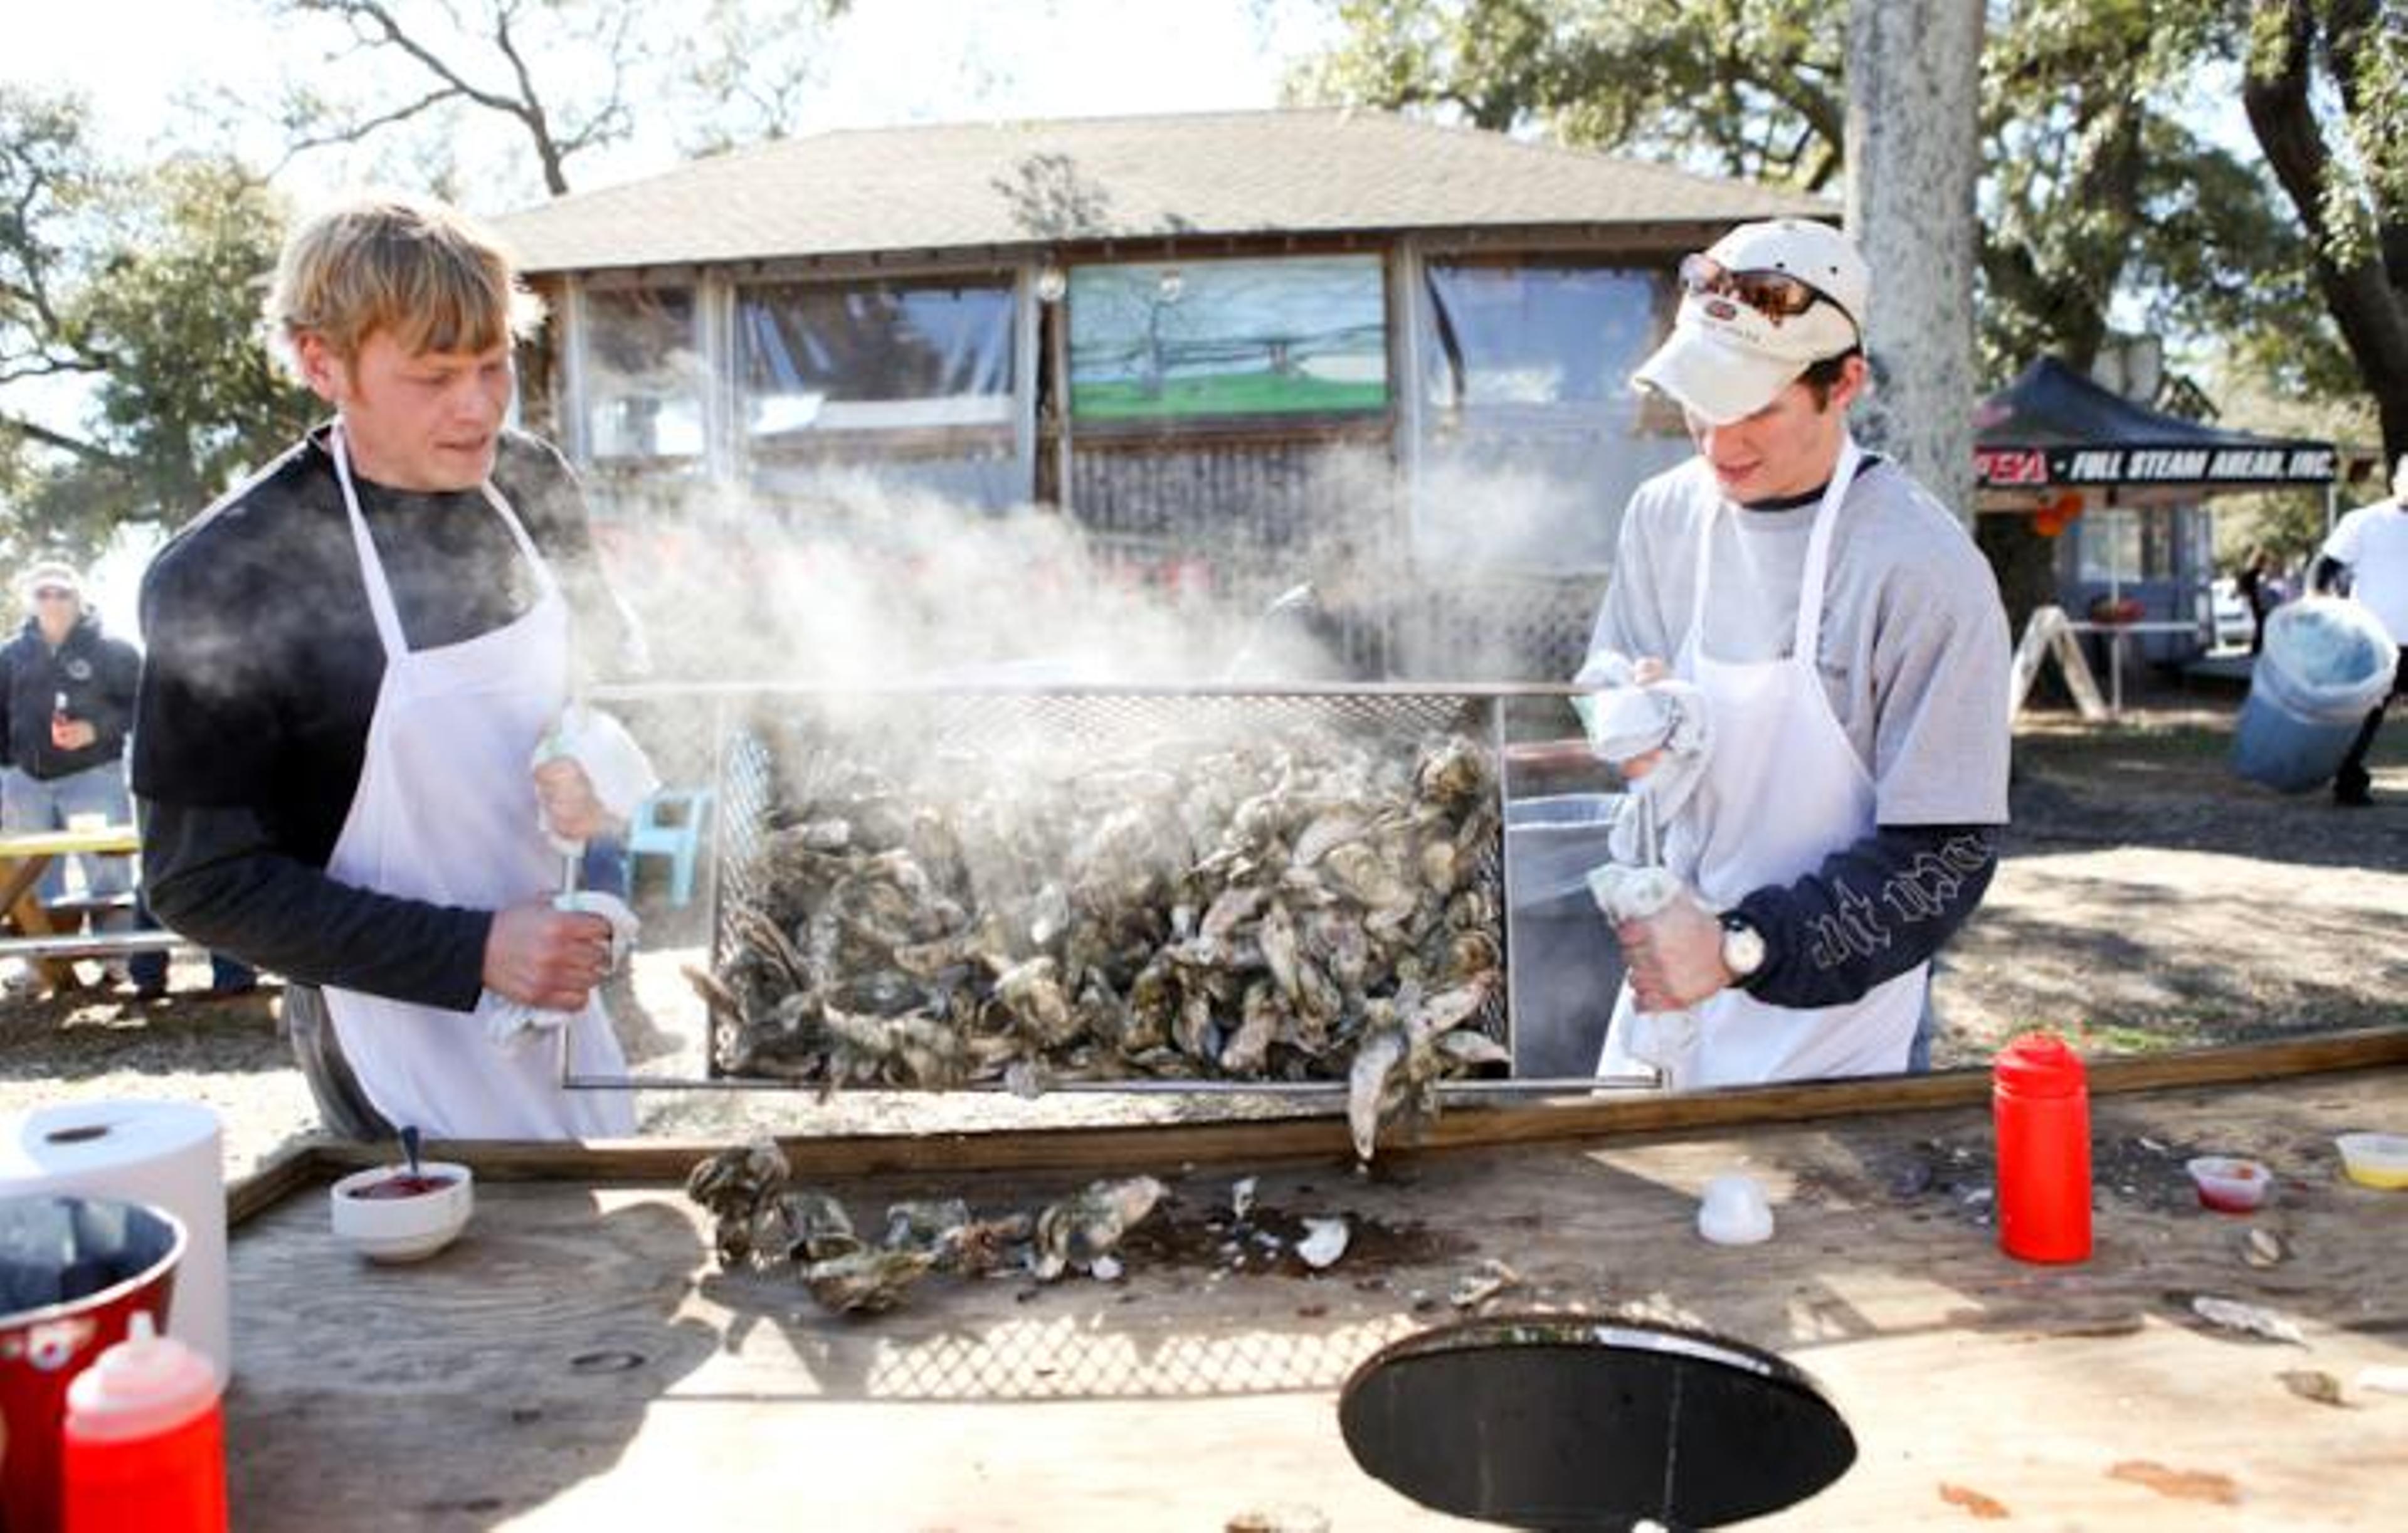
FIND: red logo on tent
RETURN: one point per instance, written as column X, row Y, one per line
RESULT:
column 2018, row 465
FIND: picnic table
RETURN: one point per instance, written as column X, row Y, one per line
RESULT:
column 31, row 932
column 578, row 1359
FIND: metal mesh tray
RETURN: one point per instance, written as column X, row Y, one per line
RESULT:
column 950, row 753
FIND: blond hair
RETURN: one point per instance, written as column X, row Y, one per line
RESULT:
column 429, row 275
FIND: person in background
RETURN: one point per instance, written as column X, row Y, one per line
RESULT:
column 352, row 659
column 2368, row 549
column 66, row 699
column 2258, row 588
column 1849, row 648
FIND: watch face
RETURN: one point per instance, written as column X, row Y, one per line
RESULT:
column 1742, row 950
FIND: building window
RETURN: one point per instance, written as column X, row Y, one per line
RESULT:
column 908, row 382
column 1532, row 437
column 818, row 358
column 645, row 382
column 1221, row 339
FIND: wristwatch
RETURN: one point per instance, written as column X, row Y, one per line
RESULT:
column 1743, row 945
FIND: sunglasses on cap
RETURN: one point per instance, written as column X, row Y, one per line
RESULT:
column 1775, row 295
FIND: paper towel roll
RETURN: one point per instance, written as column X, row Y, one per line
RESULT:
column 166, row 1153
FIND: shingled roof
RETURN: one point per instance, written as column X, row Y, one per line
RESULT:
column 1082, row 180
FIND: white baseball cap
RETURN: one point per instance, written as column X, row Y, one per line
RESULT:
column 1725, row 360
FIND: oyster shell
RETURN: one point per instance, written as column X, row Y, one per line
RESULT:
column 1073, row 1233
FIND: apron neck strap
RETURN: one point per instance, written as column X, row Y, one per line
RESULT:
column 380, row 602
column 1806, row 640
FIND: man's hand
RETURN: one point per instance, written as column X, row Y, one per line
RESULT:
column 548, row 959
column 1675, row 956
column 73, row 735
column 566, row 794
column 1644, row 671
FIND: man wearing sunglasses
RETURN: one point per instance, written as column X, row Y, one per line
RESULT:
column 66, row 700
column 1848, row 645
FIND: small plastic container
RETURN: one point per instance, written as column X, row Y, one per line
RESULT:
column 2374, row 1160
column 1733, row 1211
column 2039, row 1107
column 2230, row 1184
column 145, row 1448
column 390, row 1213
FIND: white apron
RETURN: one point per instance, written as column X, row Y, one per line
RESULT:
column 1782, row 790
column 446, row 813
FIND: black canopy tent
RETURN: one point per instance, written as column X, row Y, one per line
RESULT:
column 2053, row 431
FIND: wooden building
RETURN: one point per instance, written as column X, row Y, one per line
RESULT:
column 1237, row 351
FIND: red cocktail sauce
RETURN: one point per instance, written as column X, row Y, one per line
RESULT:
column 403, row 1185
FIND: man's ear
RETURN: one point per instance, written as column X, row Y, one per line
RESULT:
column 321, row 369
column 1850, row 385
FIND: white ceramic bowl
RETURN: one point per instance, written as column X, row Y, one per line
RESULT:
column 2230, row 1184
column 2376, row 1160
column 403, row 1230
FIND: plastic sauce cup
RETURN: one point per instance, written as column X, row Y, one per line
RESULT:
column 2230, row 1184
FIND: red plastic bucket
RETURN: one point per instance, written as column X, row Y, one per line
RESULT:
column 73, row 1270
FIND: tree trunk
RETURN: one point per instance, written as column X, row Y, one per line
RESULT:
column 1914, row 110
column 2364, row 297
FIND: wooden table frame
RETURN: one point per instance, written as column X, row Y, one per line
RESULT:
column 23, row 860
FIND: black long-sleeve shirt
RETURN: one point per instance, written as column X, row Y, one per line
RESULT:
column 1871, row 911
column 261, row 675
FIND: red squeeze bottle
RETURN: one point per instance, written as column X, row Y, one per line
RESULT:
column 145, row 1440
column 2040, row 1105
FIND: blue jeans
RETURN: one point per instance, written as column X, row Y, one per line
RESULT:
column 31, row 804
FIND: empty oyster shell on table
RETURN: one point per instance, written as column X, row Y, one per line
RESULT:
column 1073, row 1233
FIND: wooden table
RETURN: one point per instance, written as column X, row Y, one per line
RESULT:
column 576, row 1362
column 23, row 860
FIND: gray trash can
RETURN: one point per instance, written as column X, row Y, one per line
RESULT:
column 1561, row 960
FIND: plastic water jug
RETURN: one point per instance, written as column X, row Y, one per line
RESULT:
column 2324, row 664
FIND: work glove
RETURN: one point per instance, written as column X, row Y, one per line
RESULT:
column 1662, row 1041
column 511, row 1023
column 615, row 767
column 1667, row 720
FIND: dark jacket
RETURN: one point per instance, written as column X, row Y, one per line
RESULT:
column 98, row 676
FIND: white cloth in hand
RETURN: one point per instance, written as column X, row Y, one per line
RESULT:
column 1668, row 717
column 621, row 774
column 510, row 1024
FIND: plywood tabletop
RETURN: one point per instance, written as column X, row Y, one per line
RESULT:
column 577, row 1361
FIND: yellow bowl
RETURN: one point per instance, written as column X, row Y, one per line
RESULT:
column 2376, row 1160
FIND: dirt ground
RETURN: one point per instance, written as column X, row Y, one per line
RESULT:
column 2148, row 900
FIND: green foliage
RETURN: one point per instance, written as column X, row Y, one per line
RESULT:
column 1739, row 89
column 2097, row 195
column 135, row 387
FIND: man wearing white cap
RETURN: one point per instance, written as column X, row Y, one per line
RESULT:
column 2371, row 544
column 66, row 699
column 1847, row 643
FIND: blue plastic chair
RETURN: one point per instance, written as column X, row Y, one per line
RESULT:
column 671, row 823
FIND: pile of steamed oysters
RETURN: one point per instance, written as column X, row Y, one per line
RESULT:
column 1319, row 900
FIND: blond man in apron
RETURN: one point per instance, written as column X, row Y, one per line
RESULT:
column 353, row 658
column 1851, row 653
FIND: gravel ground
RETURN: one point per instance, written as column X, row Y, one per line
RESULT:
column 2148, row 900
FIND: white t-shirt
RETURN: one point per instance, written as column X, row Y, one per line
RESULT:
column 1915, row 651
column 2372, row 540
